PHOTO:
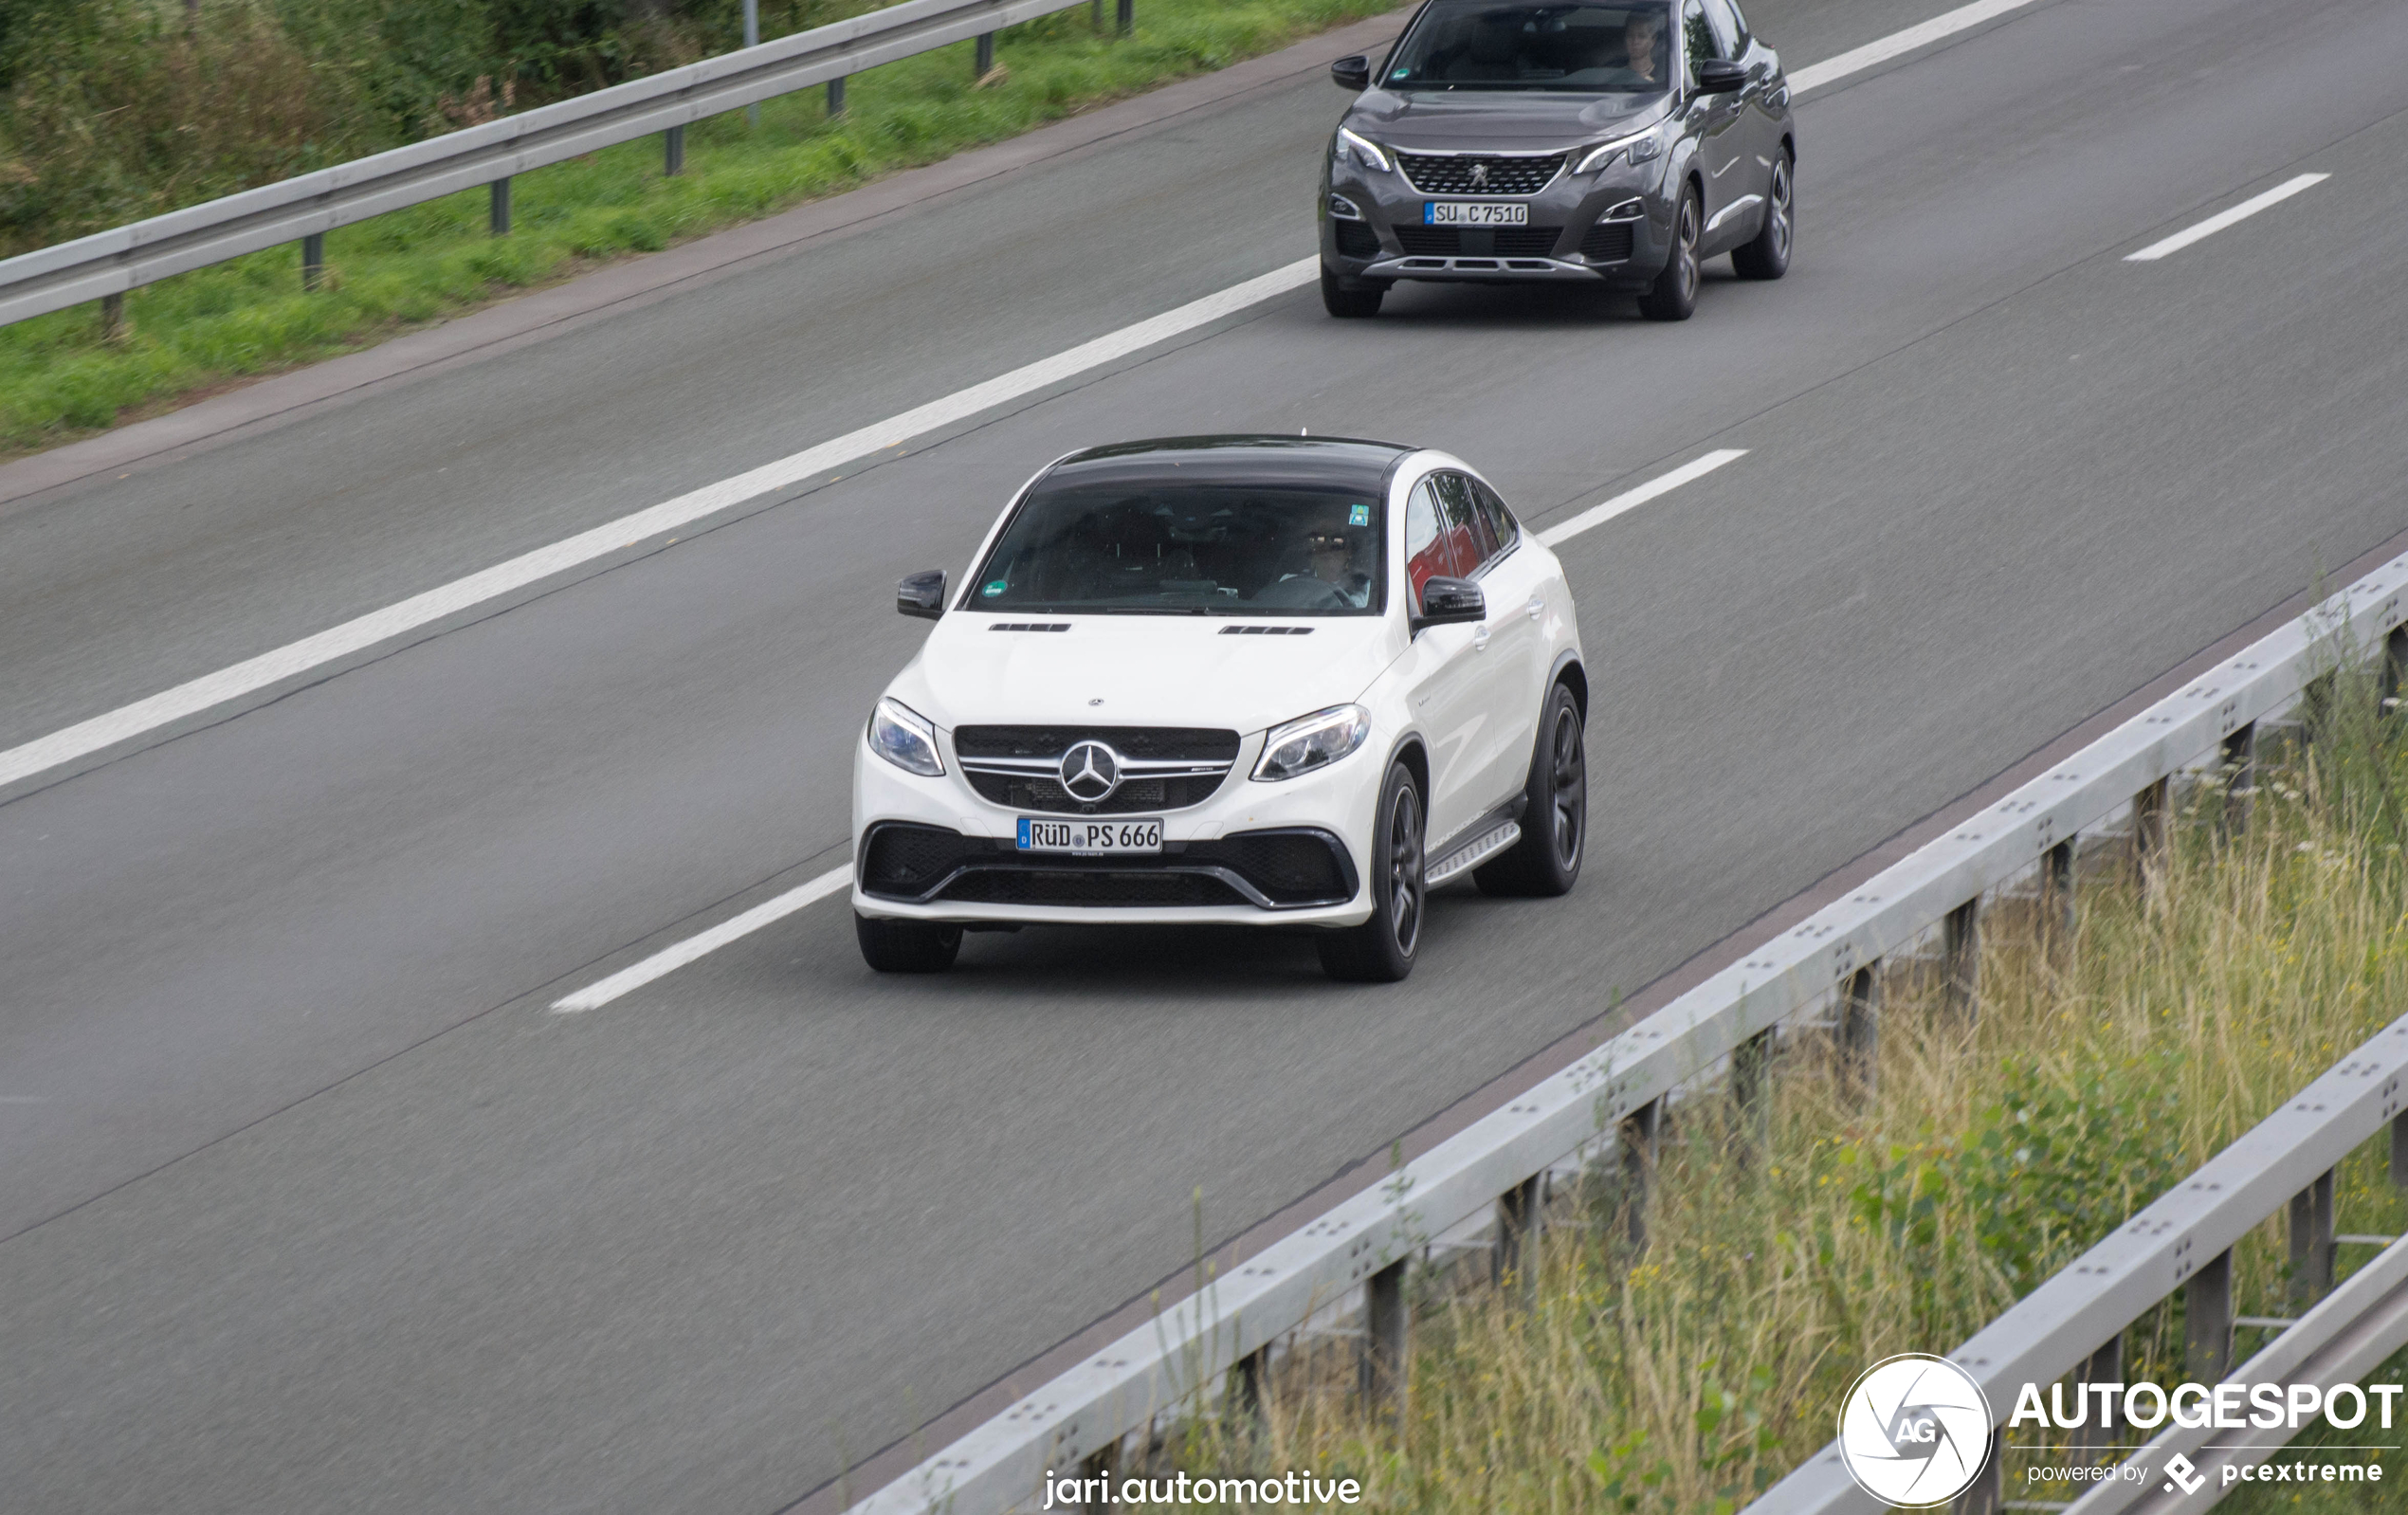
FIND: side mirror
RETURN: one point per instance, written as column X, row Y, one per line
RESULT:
column 1720, row 76
column 921, row 594
column 1451, row 602
column 1352, row 73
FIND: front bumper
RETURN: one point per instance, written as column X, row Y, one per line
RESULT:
column 1287, row 853
column 1626, row 248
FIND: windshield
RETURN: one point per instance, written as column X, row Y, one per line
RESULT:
column 1175, row 548
column 1593, row 49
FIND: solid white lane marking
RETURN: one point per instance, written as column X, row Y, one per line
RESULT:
column 669, row 959
column 1856, row 60
column 2225, row 218
column 378, row 627
column 1633, row 498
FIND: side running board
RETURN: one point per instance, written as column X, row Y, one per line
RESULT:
column 1473, row 854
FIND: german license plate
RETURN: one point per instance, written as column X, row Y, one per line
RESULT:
column 1090, row 838
column 1473, row 213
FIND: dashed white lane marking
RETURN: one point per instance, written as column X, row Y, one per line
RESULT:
column 1632, row 498
column 669, row 959
column 2226, row 218
column 1856, row 60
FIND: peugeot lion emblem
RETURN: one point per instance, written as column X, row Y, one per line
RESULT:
column 1090, row 772
column 1479, row 175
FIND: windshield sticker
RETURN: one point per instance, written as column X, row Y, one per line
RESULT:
column 1359, row 514
column 994, row 589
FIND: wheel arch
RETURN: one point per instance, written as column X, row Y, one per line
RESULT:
column 1569, row 672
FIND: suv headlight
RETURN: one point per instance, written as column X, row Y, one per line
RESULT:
column 1641, row 147
column 1366, row 150
column 904, row 736
column 1312, row 742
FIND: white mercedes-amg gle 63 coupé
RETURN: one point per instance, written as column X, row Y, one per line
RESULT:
column 1236, row 680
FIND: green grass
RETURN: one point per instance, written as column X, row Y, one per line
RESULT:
column 1685, row 1379
column 60, row 377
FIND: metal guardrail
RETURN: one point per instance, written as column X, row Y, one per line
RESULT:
column 1612, row 1098
column 107, row 264
column 2074, row 1322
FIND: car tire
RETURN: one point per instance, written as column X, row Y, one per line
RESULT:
column 1382, row 950
column 1673, row 296
column 1768, row 256
column 1337, row 297
column 1555, row 811
column 906, row 946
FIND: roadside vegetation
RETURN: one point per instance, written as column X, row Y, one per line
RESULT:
column 1786, row 1256
column 112, row 110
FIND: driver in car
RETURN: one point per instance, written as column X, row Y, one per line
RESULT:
column 1336, row 553
column 1638, row 46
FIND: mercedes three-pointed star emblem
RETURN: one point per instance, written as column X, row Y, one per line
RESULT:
column 1091, row 771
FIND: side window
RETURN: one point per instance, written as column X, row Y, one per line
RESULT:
column 1730, row 33
column 1426, row 555
column 1474, row 539
column 1696, row 36
column 1738, row 24
column 1501, row 522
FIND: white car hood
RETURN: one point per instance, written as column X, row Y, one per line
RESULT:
column 1142, row 671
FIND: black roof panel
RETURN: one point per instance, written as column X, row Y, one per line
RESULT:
column 1269, row 461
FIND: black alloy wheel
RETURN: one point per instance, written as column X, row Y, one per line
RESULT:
column 1673, row 296
column 1555, row 811
column 1768, row 256
column 906, row 946
column 1380, row 951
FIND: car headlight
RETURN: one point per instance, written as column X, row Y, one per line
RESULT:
column 1312, row 742
column 904, row 736
column 1640, row 147
column 1367, row 151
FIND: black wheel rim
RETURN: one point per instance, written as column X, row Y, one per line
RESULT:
column 1780, row 227
column 1571, row 775
column 1404, row 869
column 1687, row 253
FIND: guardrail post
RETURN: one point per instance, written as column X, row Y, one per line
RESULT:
column 1986, row 1494
column 1385, row 1344
column 1860, row 1029
column 2150, row 808
column 673, row 150
column 1961, row 958
column 2312, row 1238
column 313, row 259
column 113, row 318
column 1639, row 1130
column 2105, row 1365
column 2399, row 1150
column 986, row 54
column 2395, row 659
column 1127, row 22
column 1522, row 1217
column 1102, row 1463
column 753, row 38
column 2207, row 1320
column 498, row 212
column 1751, row 1067
column 2240, row 777
column 2056, row 903
column 1245, row 1388
column 836, row 97
column 1095, row 15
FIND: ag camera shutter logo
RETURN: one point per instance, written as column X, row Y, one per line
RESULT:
column 1913, row 1431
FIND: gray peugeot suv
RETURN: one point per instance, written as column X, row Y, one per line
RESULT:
column 1621, row 141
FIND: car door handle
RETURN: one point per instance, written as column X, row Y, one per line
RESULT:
column 1538, row 606
column 1480, row 640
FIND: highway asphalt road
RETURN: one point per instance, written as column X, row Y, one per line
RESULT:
column 313, row 1205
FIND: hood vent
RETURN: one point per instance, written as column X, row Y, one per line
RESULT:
column 1030, row 626
column 1266, row 630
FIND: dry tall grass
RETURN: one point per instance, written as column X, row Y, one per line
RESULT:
column 1784, row 1258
